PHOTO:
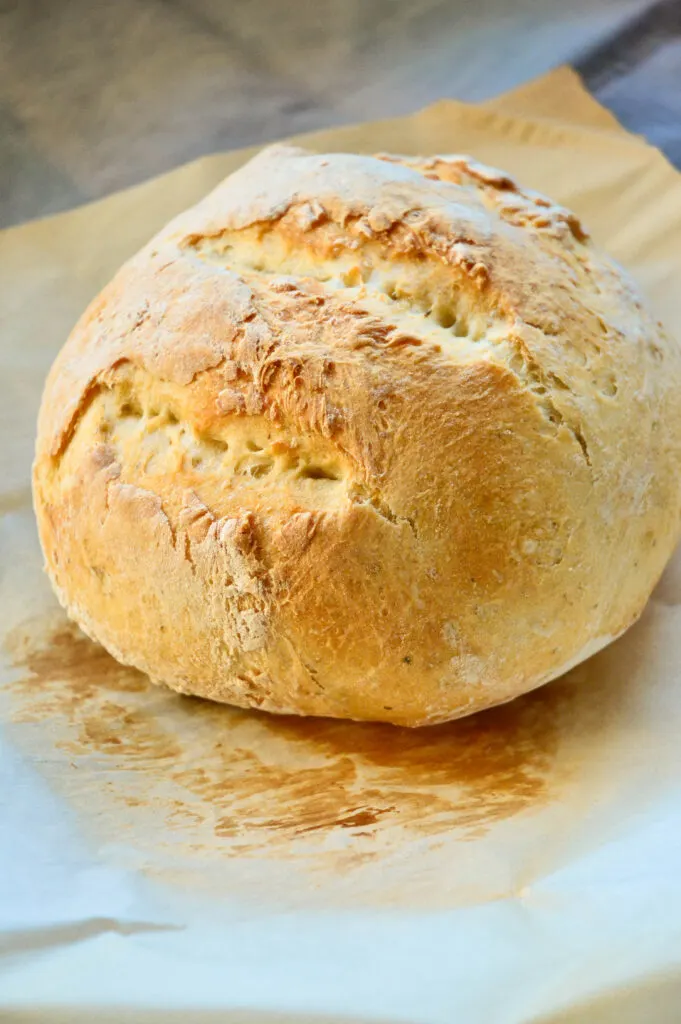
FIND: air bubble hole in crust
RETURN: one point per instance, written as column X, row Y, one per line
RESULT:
column 317, row 473
column 131, row 409
column 215, row 444
column 444, row 316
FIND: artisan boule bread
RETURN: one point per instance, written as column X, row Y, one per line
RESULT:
column 376, row 438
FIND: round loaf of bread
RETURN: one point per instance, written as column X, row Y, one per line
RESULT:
column 376, row 438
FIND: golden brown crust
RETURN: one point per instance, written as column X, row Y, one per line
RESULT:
column 369, row 437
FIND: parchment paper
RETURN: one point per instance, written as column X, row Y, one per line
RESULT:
column 164, row 859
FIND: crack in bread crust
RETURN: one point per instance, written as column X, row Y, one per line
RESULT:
column 427, row 305
column 141, row 423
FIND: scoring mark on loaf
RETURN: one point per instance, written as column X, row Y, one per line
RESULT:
column 499, row 191
column 417, row 302
column 411, row 296
column 153, row 445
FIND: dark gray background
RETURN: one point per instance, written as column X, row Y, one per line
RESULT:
column 95, row 96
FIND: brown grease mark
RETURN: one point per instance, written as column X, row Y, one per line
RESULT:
column 73, row 679
column 262, row 781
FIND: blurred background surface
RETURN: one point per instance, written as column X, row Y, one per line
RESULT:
column 96, row 96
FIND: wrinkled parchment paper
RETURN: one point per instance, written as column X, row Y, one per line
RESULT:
column 176, row 861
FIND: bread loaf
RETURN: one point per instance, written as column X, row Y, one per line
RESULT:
column 376, row 438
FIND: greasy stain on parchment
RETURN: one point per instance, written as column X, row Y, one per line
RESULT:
column 262, row 782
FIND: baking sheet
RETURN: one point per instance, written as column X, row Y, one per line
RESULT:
column 162, row 858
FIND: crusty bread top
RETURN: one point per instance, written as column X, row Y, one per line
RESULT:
column 453, row 233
